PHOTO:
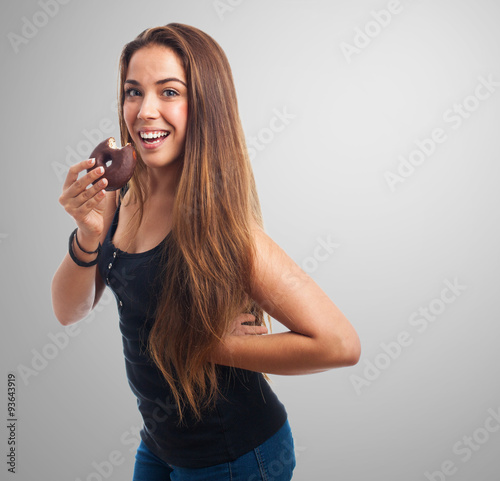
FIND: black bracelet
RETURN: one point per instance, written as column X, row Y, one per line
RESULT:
column 82, row 249
column 78, row 261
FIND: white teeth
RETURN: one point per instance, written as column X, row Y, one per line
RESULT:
column 153, row 135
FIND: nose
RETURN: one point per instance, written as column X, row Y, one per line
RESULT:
column 149, row 108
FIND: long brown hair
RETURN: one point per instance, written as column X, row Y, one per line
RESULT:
column 208, row 267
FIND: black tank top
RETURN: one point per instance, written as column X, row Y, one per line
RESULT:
column 249, row 411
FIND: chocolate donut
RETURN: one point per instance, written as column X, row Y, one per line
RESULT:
column 122, row 166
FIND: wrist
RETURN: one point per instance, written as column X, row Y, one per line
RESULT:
column 86, row 244
column 80, row 255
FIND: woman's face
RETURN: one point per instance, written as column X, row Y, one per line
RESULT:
column 156, row 104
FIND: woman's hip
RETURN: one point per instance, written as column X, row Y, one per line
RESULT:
column 273, row 460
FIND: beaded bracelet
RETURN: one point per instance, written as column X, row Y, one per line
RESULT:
column 73, row 256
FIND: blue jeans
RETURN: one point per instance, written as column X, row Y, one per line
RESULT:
column 273, row 460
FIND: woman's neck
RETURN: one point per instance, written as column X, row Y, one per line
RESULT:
column 162, row 183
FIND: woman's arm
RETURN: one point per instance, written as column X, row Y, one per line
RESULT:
column 320, row 336
column 76, row 290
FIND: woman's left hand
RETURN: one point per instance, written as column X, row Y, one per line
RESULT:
column 239, row 328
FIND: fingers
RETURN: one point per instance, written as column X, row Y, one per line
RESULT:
column 74, row 186
column 247, row 322
column 74, row 170
column 244, row 324
column 89, row 199
column 94, row 193
column 253, row 330
column 249, row 329
column 259, row 329
column 81, row 196
column 79, row 186
column 248, row 319
column 77, row 192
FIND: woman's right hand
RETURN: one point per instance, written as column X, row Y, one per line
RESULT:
column 84, row 204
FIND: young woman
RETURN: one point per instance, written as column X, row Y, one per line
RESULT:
column 183, row 249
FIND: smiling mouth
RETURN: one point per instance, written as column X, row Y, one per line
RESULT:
column 154, row 137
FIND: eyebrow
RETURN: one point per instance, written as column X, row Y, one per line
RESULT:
column 159, row 82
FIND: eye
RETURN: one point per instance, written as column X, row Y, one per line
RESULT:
column 131, row 92
column 166, row 93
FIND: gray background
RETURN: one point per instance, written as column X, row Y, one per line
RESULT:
column 321, row 176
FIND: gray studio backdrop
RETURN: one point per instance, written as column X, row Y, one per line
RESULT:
column 373, row 133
